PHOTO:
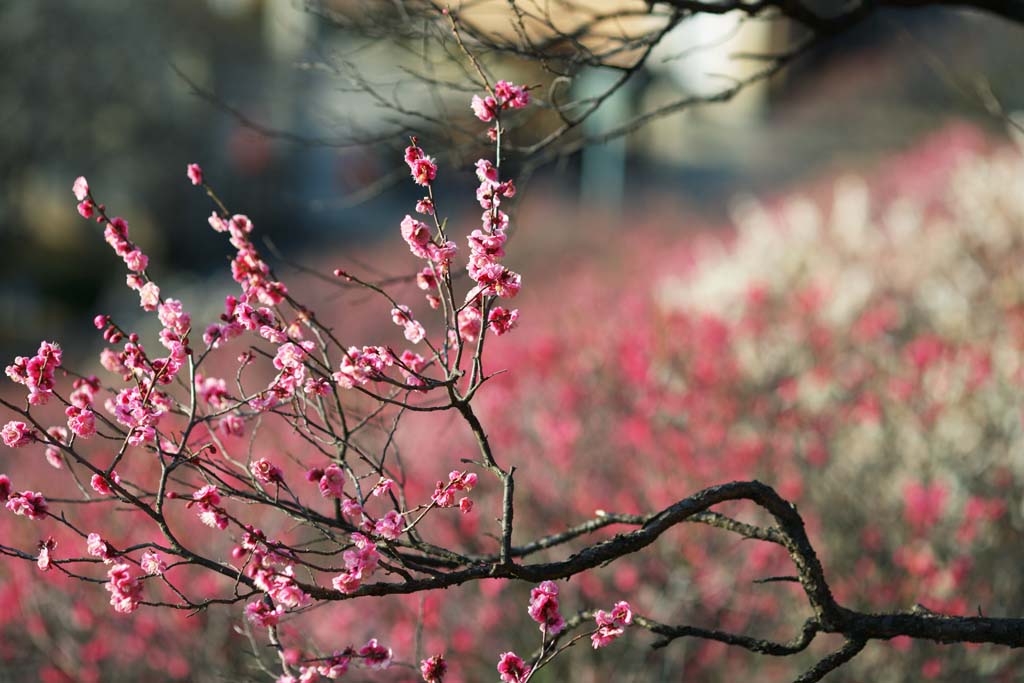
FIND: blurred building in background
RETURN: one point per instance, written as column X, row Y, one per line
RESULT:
column 108, row 89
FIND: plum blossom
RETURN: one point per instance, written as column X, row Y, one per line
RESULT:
column 173, row 317
column 484, row 108
column 36, row 372
column 266, row 472
column 411, row 365
column 360, row 562
column 422, row 167
column 444, row 494
column 44, row 561
column 389, row 526
column 131, row 409
column 470, row 323
column 81, row 422
column 511, row 96
column 544, row 608
column 207, row 501
column 426, row 279
column 417, row 235
column 17, row 434
column 506, row 96
column 97, row 547
column 383, row 487
column 425, row 206
column 29, row 504
column 212, row 391
column 402, row 316
column 80, row 188
column 195, row 174
column 433, row 669
column 611, row 625
column 152, row 563
column 149, row 296
column 359, row 366
column 375, row 656
column 263, row 614
column 125, row 590
column 101, row 485
column 512, row 668
column 501, row 321
column 136, row 260
column 332, row 482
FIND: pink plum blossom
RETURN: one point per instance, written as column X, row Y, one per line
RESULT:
column 433, row 669
column 30, row 504
column 512, row 668
column 17, row 434
column 375, row 656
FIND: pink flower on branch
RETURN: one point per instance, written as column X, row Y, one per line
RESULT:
column 152, row 563
column 28, row 504
column 44, row 561
column 97, row 547
column 433, row 669
column 375, row 656
column 81, row 422
column 512, row 668
column 149, row 296
column 544, row 608
column 611, row 625
column 332, row 482
column 266, row 472
column 263, row 614
column 18, row 434
column 125, row 590
column 37, row 372
column 195, row 174
column 80, row 188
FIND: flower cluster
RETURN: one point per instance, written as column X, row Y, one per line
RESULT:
column 512, row 668
column 330, row 480
column 36, row 372
column 247, row 268
column 422, row 167
column 402, row 316
column 30, row 504
column 272, row 571
column 506, row 96
column 140, row 411
column 360, row 562
column 361, row 365
column 544, row 608
column 389, row 526
column 264, row 613
column 125, row 590
column 80, row 188
column 611, row 625
column 444, row 493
